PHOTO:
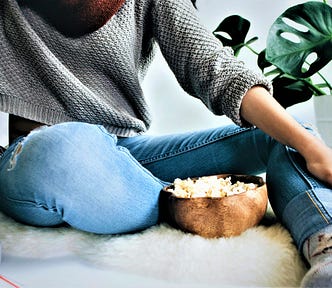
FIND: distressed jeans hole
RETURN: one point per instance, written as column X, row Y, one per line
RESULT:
column 16, row 152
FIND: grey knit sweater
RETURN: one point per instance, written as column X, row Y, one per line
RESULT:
column 50, row 78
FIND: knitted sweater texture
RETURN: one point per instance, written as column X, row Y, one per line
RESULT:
column 96, row 78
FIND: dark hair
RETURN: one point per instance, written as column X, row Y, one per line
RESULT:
column 194, row 3
column 74, row 18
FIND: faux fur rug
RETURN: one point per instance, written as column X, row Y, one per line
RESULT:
column 263, row 256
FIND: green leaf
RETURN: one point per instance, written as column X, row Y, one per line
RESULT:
column 236, row 28
column 262, row 62
column 288, row 91
column 291, row 43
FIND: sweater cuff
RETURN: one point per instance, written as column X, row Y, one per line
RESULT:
column 240, row 86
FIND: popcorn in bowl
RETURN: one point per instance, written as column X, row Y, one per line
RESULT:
column 221, row 205
column 209, row 186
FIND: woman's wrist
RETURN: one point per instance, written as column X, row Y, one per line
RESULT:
column 261, row 109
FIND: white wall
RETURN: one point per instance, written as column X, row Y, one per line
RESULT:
column 173, row 110
column 184, row 113
column 3, row 129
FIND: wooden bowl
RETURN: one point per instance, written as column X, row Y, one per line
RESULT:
column 216, row 217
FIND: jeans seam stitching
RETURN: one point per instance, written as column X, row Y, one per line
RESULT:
column 32, row 203
column 320, row 211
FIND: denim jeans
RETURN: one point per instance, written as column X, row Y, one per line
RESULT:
column 81, row 175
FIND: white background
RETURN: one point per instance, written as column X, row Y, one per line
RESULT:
column 176, row 111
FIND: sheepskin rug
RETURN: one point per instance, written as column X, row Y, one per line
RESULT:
column 263, row 256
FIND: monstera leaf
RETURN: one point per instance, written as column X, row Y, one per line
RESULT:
column 301, row 32
column 289, row 91
column 232, row 31
column 261, row 60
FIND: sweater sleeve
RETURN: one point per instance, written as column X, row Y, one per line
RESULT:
column 203, row 67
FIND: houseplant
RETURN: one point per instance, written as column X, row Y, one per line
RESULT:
column 298, row 47
column 300, row 44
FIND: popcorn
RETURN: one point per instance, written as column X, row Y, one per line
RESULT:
column 209, row 186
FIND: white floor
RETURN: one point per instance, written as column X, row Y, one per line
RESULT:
column 71, row 273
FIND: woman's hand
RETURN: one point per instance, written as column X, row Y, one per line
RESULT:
column 262, row 110
column 319, row 161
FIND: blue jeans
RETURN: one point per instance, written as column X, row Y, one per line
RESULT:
column 79, row 174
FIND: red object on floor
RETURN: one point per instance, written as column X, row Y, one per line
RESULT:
column 10, row 283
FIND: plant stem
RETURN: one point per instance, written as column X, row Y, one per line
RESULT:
column 251, row 49
column 317, row 91
column 325, row 81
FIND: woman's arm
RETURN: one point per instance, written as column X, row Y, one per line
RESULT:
column 262, row 110
column 203, row 67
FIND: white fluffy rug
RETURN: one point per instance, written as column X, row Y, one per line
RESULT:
column 260, row 257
